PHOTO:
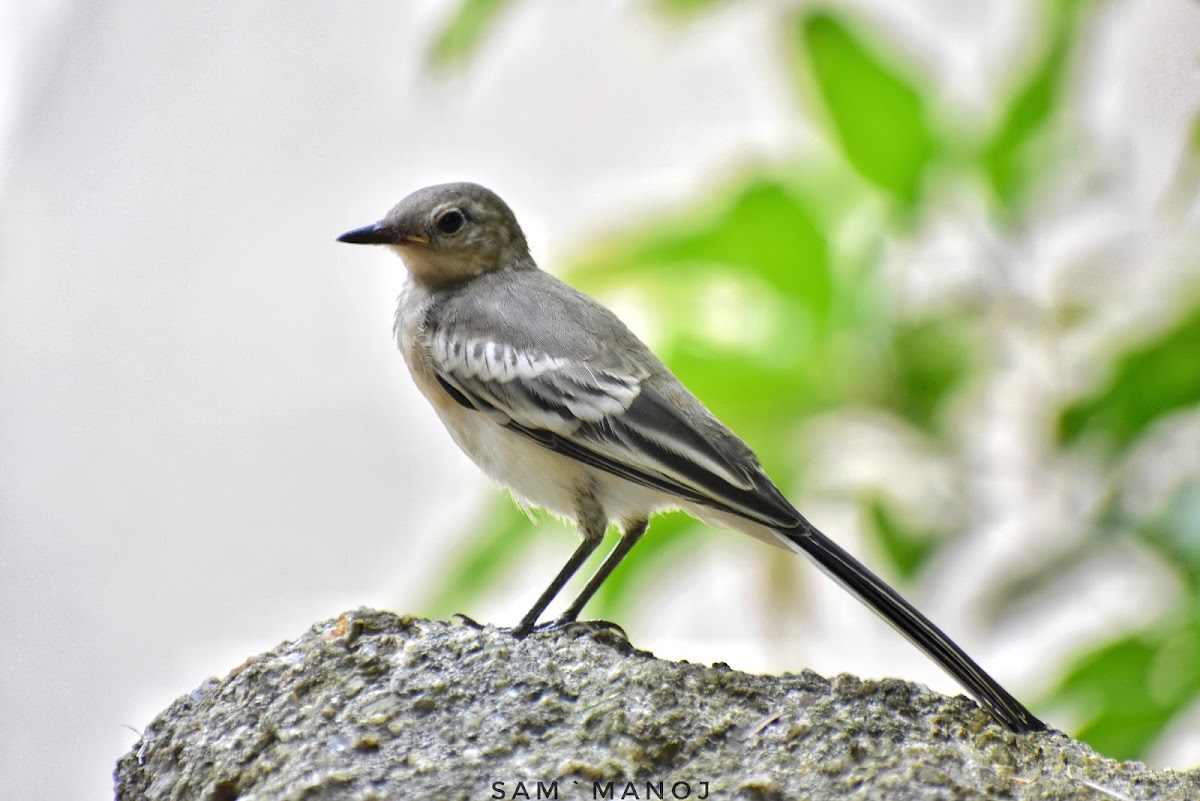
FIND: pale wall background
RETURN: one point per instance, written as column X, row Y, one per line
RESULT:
column 207, row 441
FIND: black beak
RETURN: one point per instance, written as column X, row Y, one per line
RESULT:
column 373, row 234
column 380, row 234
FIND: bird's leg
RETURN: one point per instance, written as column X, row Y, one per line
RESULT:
column 629, row 537
column 592, row 525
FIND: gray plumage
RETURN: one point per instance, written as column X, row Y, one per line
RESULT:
column 555, row 398
column 581, row 375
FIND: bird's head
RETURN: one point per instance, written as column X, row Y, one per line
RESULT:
column 449, row 233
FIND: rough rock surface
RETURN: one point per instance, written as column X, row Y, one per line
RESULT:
column 375, row 706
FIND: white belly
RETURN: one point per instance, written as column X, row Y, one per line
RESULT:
column 541, row 477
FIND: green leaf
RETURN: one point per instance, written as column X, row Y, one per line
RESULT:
column 933, row 358
column 762, row 229
column 1153, row 380
column 878, row 113
column 907, row 547
column 1112, row 681
column 1015, row 154
column 461, row 36
column 1133, row 688
column 1175, row 533
column 685, row 8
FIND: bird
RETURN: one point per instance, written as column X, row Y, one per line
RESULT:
column 554, row 398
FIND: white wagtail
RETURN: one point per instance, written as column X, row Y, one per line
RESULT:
column 550, row 393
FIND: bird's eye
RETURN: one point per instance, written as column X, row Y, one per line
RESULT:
column 451, row 222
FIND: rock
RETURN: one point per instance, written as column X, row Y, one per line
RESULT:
column 376, row 706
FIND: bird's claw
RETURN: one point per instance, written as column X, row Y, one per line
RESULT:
column 464, row 620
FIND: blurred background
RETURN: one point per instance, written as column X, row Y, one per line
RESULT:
column 937, row 262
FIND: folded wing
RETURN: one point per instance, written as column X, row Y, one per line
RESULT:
column 611, row 417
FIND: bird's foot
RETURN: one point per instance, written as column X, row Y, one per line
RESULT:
column 568, row 628
column 583, row 628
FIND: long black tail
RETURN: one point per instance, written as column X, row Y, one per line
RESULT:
column 904, row 617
